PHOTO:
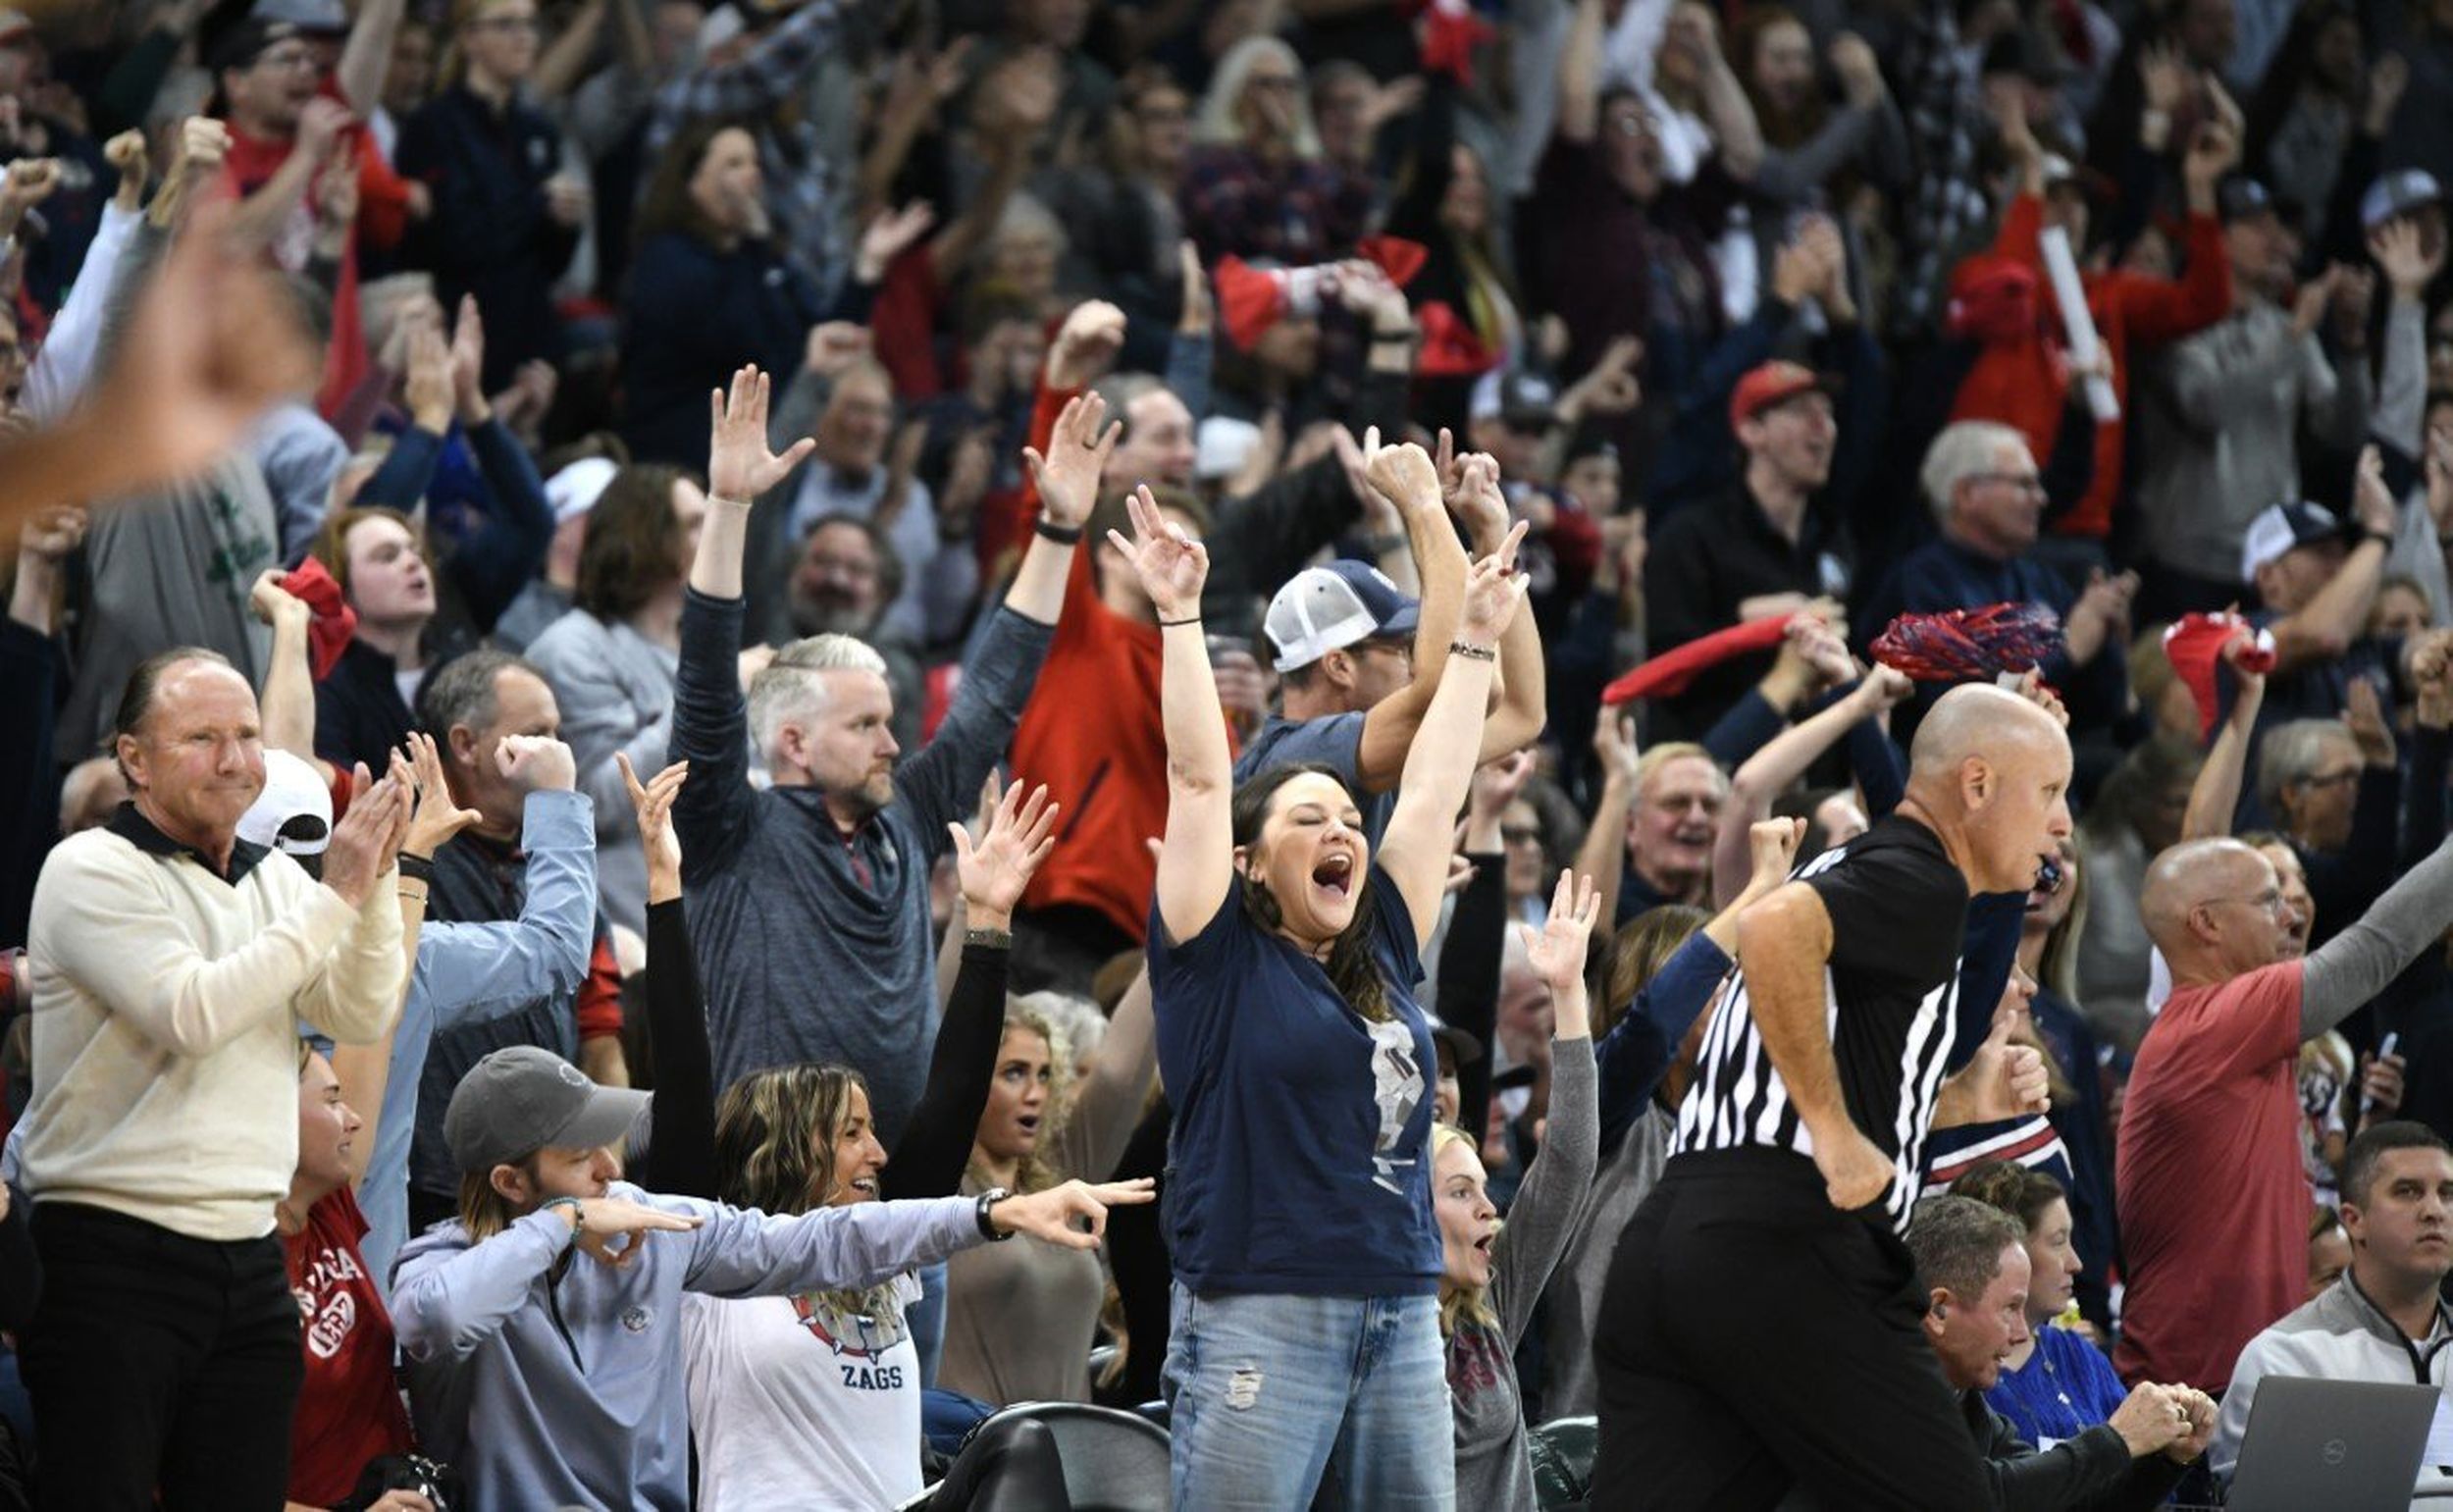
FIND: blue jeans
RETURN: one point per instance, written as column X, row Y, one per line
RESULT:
column 1279, row 1399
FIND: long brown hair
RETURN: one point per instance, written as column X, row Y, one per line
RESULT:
column 1638, row 952
column 632, row 547
column 666, row 204
column 1350, row 967
column 775, row 1138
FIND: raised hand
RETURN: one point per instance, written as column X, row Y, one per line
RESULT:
column 833, row 347
column 1616, row 749
column 1086, row 345
column 652, row 801
column 1403, row 474
column 1496, row 785
column 995, row 870
column 1772, row 845
column 275, row 604
column 1073, row 1215
column 2409, row 263
column 1885, row 689
column 888, row 233
column 53, row 533
column 1860, row 76
column 1557, row 951
column 1171, row 565
column 1200, row 306
column 1492, row 593
column 739, row 467
column 535, row 763
column 2372, row 498
column 468, row 363
column 367, row 837
column 437, row 816
column 2365, row 713
column 429, row 390
column 1068, row 477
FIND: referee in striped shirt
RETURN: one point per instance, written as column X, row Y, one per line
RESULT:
column 1760, row 1329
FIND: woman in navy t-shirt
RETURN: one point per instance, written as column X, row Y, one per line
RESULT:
column 1283, row 956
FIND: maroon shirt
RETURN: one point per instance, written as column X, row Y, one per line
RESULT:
column 349, row 1408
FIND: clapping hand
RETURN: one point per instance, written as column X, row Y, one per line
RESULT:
column 995, row 870
column 739, row 467
column 437, row 816
column 1171, row 565
column 1068, row 477
column 653, row 801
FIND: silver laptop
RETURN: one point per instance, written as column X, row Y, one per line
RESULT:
column 2342, row 1445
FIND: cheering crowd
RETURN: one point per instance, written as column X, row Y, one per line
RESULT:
column 1608, row 752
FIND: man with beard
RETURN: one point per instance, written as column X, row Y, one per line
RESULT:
column 1679, row 793
column 847, row 574
column 2214, row 1090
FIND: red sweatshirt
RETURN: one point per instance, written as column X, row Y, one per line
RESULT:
column 2020, row 383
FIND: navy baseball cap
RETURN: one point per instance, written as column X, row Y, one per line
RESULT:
column 1328, row 608
column 2286, row 527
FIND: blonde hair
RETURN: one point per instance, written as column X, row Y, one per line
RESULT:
column 1215, row 122
column 1035, row 1171
column 1458, row 1304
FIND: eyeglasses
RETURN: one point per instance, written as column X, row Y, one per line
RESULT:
column 2329, row 779
column 2028, row 483
column 2269, row 901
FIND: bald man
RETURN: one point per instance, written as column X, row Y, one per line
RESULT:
column 2213, row 1200
column 1759, row 1329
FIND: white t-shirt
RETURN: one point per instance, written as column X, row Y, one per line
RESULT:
column 795, row 1404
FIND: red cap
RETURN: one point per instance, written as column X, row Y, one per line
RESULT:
column 1773, row 383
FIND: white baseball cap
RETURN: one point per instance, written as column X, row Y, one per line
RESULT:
column 574, row 491
column 293, row 812
column 1328, row 608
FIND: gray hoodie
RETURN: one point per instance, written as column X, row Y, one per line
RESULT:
column 555, row 1381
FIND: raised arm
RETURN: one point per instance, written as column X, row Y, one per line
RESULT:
column 367, row 56
column 994, row 872
column 288, row 698
column 2215, row 796
column 1414, row 851
column 1604, row 855
column 2324, row 627
column 1784, row 760
column 1067, row 480
column 365, row 1070
column 1439, row 563
column 1196, row 866
column 682, row 1157
column 1521, row 677
column 1543, row 1217
column 1579, row 74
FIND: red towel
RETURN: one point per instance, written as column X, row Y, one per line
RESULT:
column 1252, row 299
column 1669, row 674
column 2195, row 646
column 1960, row 646
column 334, row 622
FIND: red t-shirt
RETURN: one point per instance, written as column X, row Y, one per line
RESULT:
column 349, row 1406
column 2214, row 1200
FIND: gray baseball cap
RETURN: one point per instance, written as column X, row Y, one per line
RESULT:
column 520, row 1100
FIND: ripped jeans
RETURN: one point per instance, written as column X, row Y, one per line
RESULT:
column 1285, row 1402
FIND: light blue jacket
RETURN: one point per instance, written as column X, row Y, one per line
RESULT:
column 558, row 1382
column 468, row 973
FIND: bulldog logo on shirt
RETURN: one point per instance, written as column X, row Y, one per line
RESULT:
column 855, row 1337
column 1397, row 1087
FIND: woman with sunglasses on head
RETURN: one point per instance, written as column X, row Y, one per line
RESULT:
column 1283, row 956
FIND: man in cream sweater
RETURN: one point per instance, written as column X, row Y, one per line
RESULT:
column 172, row 963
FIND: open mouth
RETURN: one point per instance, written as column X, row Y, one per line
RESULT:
column 866, row 1187
column 1482, row 1247
column 1335, row 873
column 1028, row 1123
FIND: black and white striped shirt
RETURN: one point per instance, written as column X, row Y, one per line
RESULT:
column 1897, row 911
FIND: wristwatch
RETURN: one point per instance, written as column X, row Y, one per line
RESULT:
column 578, row 1214
column 987, row 1229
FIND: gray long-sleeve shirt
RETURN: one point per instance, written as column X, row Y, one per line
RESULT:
column 1494, row 1467
column 2223, row 420
column 614, row 688
column 814, row 944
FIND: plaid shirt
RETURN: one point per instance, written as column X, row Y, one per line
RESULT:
column 759, row 89
column 1297, row 213
column 1950, row 197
